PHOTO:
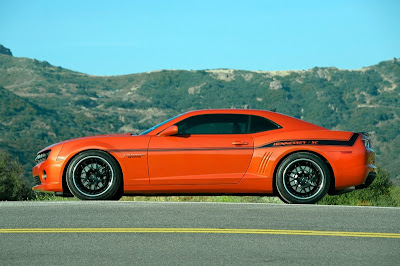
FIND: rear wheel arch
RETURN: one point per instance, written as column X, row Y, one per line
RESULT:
column 65, row 187
column 328, row 164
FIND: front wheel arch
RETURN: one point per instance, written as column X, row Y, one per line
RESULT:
column 67, row 191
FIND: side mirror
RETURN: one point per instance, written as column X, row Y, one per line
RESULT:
column 172, row 130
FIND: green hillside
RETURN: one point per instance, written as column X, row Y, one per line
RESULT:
column 41, row 104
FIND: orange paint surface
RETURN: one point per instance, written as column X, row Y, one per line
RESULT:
column 213, row 164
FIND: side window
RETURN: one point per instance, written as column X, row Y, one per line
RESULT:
column 261, row 124
column 214, row 124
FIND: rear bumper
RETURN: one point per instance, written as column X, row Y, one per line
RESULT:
column 368, row 181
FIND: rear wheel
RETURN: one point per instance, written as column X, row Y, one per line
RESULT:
column 302, row 178
column 94, row 175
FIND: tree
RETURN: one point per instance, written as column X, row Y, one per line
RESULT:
column 12, row 183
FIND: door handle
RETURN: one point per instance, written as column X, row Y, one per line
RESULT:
column 239, row 143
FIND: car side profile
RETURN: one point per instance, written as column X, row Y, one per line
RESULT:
column 211, row 152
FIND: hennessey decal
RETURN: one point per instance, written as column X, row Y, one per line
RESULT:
column 134, row 155
column 326, row 142
column 297, row 142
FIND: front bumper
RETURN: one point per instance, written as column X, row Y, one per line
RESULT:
column 47, row 175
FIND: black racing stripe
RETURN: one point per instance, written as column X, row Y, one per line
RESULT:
column 128, row 150
column 279, row 143
column 205, row 149
column 324, row 142
column 186, row 149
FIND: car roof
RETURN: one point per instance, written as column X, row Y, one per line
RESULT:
column 287, row 122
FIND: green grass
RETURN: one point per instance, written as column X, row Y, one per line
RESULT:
column 41, row 196
column 44, row 196
column 237, row 199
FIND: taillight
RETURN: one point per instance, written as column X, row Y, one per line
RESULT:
column 366, row 140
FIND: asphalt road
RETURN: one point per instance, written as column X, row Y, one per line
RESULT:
column 152, row 233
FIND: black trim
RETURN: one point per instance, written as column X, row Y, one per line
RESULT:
column 36, row 180
column 63, row 194
column 128, row 150
column 187, row 149
column 206, row 149
column 281, row 143
column 368, row 181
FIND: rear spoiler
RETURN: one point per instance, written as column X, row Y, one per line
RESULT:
column 364, row 133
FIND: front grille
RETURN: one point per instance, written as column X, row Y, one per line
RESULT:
column 36, row 180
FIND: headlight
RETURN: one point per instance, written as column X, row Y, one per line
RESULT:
column 41, row 157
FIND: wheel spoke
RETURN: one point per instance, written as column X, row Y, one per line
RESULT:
column 93, row 176
column 303, row 178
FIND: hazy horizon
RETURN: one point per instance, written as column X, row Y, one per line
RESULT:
column 127, row 37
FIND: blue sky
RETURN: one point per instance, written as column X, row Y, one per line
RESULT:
column 123, row 37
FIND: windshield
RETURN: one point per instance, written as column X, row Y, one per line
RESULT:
column 156, row 126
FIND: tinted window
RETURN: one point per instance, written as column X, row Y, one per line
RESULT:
column 261, row 124
column 156, row 126
column 214, row 124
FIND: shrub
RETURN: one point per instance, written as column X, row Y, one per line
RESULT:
column 12, row 183
column 380, row 193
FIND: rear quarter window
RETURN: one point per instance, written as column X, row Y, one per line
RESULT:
column 261, row 124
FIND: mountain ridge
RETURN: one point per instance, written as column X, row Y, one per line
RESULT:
column 4, row 50
column 7, row 51
column 82, row 104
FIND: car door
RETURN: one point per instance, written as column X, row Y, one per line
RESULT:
column 208, row 149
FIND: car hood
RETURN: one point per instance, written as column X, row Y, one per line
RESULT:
column 81, row 138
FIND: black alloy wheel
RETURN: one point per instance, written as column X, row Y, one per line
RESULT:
column 94, row 175
column 302, row 178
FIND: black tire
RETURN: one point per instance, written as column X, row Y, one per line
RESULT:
column 302, row 178
column 94, row 175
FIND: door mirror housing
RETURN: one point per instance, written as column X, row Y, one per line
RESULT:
column 170, row 131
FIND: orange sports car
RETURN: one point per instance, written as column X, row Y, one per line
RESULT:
column 211, row 152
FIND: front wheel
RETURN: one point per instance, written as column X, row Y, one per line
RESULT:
column 94, row 175
column 302, row 178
